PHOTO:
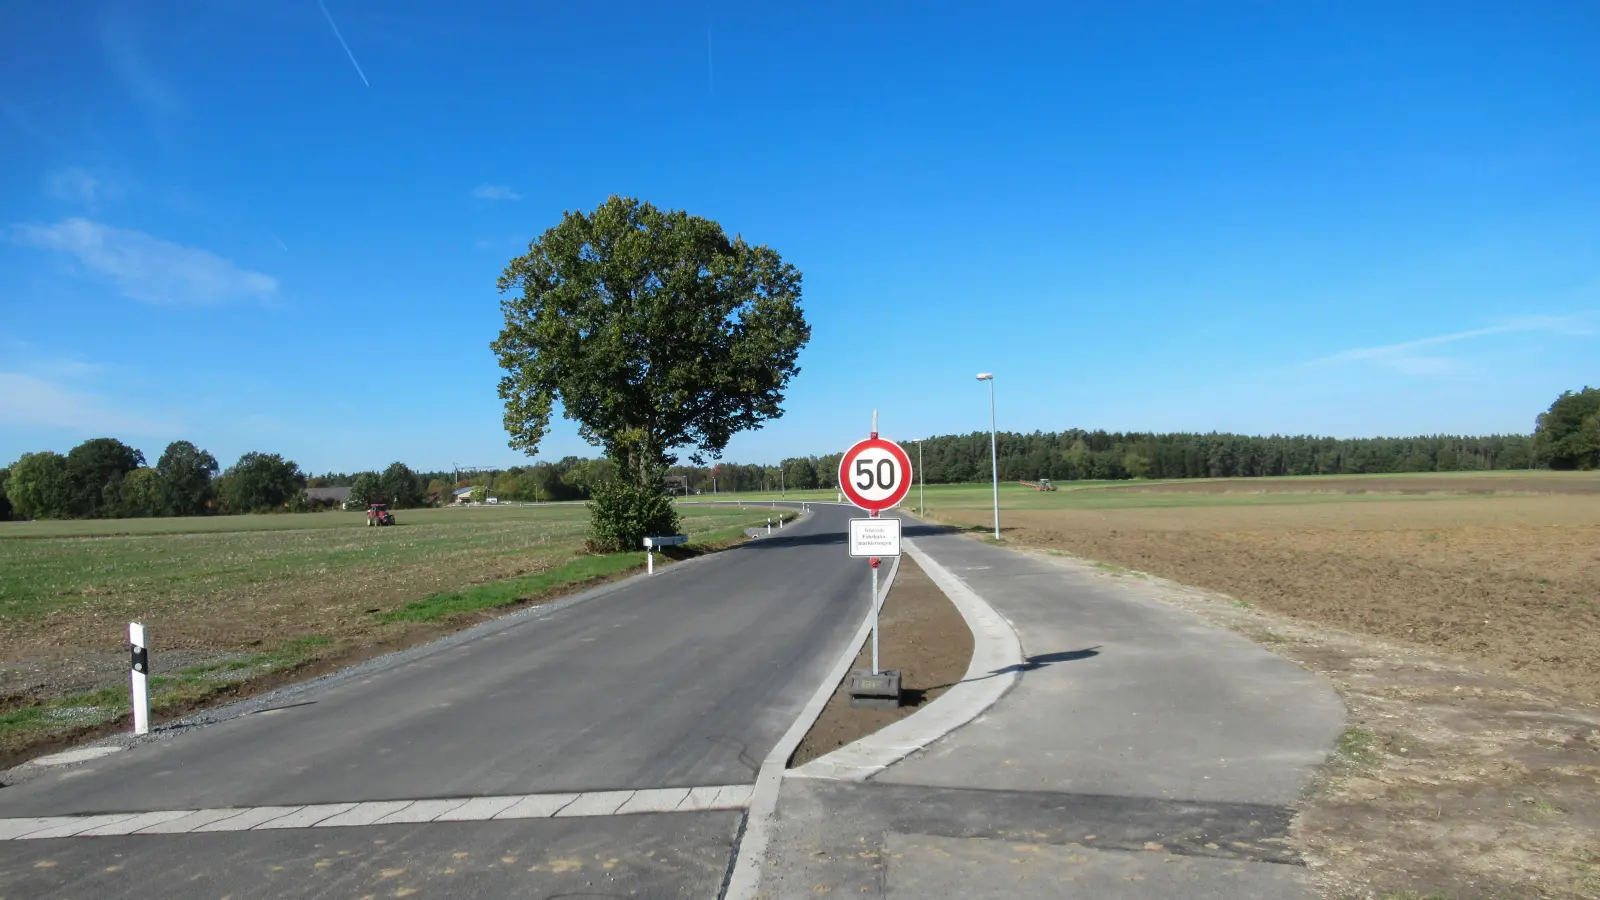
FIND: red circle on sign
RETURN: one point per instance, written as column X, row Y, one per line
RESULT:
column 868, row 495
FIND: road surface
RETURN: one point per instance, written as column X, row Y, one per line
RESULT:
column 682, row 680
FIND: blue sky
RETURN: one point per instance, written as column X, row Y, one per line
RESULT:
column 220, row 223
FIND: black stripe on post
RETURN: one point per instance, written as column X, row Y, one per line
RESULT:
column 141, row 660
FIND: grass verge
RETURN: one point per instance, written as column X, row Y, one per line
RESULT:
column 515, row 590
column 575, row 572
column 179, row 691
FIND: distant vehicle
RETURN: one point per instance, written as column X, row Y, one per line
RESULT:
column 378, row 514
column 492, row 500
column 1042, row 484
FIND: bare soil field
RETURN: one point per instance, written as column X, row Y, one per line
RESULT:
column 1450, row 783
column 1510, row 582
column 1462, row 631
column 1499, row 482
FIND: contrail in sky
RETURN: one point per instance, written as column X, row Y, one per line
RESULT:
column 346, row 47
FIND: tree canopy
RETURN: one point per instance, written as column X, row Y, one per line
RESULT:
column 1567, row 435
column 95, row 469
column 39, row 487
column 185, row 474
column 400, row 487
column 260, row 482
column 652, row 328
column 367, row 490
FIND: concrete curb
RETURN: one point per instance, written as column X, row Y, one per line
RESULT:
column 996, row 662
column 380, row 812
column 751, row 853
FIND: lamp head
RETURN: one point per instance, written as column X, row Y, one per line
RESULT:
column 985, row 376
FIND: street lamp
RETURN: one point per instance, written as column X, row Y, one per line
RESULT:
column 922, row 499
column 994, row 458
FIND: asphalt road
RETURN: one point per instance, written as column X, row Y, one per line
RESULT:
column 683, row 679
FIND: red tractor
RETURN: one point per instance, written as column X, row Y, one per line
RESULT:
column 378, row 514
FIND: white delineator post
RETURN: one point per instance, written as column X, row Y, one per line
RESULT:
column 649, row 560
column 139, row 672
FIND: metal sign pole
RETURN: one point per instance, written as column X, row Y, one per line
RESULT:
column 884, row 473
column 875, row 669
column 874, row 563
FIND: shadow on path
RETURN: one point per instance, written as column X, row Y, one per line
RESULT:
column 1028, row 664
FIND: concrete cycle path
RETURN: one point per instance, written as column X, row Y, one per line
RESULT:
column 1141, row 753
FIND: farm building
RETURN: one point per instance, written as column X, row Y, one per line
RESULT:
column 328, row 494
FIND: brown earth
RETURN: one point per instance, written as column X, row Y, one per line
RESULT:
column 1463, row 635
column 922, row 634
column 1451, row 783
column 1508, row 582
column 1468, row 483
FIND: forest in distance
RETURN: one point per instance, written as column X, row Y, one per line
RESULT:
column 104, row 478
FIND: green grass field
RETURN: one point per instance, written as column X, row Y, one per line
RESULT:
column 52, row 565
column 231, row 598
column 406, row 518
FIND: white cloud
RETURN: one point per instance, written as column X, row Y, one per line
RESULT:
column 28, row 401
column 147, row 268
column 495, row 192
column 73, row 185
column 1402, row 357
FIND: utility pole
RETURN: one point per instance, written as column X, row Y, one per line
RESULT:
column 922, row 498
column 994, row 458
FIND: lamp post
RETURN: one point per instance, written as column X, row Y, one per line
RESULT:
column 994, row 458
column 922, row 499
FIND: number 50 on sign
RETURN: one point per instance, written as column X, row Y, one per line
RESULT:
column 875, row 474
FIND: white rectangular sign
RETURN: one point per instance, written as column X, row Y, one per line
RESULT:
column 874, row 537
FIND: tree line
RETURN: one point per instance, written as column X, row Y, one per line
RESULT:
column 105, row 478
column 1566, row 436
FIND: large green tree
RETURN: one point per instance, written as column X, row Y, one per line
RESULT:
column 367, row 490
column 142, row 494
column 39, row 487
column 799, row 474
column 96, row 468
column 652, row 328
column 186, row 473
column 399, row 486
column 260, row 482
column 1568, row 434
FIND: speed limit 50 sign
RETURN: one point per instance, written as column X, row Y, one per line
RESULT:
column 875, row 474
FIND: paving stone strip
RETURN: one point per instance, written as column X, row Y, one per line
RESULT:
column 381, row 812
